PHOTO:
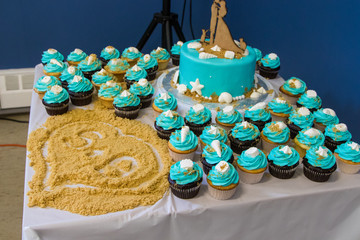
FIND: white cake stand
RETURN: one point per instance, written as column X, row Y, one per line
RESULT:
column 163, row 84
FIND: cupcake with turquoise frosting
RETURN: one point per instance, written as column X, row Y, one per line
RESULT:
column 197, row 118
column 90, row 65
column 279, row 109
column 101, row 77
column 324, row 117
column 228, row 117
column 211, row 133
column 319, row 163
column 68, row 75
column 251, row 165
column 292, row 89
column 127, row 105
column 222, row 180
column 269, row 66
column 307, row 138
column 283, row 161
column 107, row 93
column 185, row 179
column 299, row 119
column 258, row 57
column 163, row 102
column 131, row 55
column 134, row 74
column 56, row 100
column 258, row 115
column 44, row 83
column 150, row 65
column 54, row 68
column 80, row 90
column 75, row 57
column 348, row 157
column 118, row 68
column 182, row 144
column 310, row 100
column 144, row 90
column 175, row 53
column 244, row 136
column 335, row 135
column 51, row 54
column 107, row 54
column 215, row 152
column 167, row 123
column 162, row 56
column 274, row 134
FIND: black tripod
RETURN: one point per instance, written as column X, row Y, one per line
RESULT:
column 167, row 19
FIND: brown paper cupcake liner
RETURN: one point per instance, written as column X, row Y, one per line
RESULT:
column 284, row 172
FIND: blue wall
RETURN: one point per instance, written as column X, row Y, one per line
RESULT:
column 317, row 41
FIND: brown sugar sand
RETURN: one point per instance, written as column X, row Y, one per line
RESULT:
column 91, row 162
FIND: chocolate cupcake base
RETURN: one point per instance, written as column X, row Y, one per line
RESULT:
column 152, row 72
column 130, row 112
column 81, row 98
column 282, row 172
column 267, row 72
column 104, row 62
column 207, row 166
column 64, row 84
column 332, row 144
column 312, row 110
column 162, row 133
column 317, row 174
column 197, row 128
column 175, row 59
column 239, row 146
column 145, row 100
column 185, row 191
column 89, row 74
column 259, row 124
column 56, row 108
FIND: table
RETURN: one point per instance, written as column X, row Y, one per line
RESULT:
column 296, row 208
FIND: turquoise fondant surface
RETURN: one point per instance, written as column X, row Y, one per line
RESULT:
column 218, row 75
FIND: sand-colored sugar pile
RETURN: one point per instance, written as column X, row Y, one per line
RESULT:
column 96, row 163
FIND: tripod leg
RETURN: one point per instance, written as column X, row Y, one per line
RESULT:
column 178, row 30
column 147, row 33
column 167, row 40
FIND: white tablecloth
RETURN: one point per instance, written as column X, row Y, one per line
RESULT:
column 296, row 208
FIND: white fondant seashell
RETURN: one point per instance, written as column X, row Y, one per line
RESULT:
column 181, row 88
column 77, row 78
column 78, row 51
column 143, row 82
column 255, row 95
column 329, row 111
column 229, row 54
column 222, row 167
column 273, row 56
column 184, row 132
column 253, row 152
column 187, row 164
column 341, row 127
column 303, row 111
column 225, row 97
column 125, row 93
column 204, row 55
column 322, row 152
column 52, row 51
column 194, row 45
column 286, row 149
column 261, row 90
column 56, row 89
column 311, row 93
column 46, row 79
column 260, row 105
column 216, row 146
column 176, row 77
column 216, row 48
column 312, row 132
column 54, row 61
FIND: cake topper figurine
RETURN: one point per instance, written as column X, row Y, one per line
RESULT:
column 219, row 32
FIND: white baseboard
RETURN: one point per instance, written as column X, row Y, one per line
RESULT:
column 16, row 87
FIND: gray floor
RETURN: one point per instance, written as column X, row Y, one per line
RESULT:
column 12, row 170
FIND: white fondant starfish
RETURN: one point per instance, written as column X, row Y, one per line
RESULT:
column 164, row 96
column 322, row 152
column 169, row 114
column 213, row 130
column 196, row 86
